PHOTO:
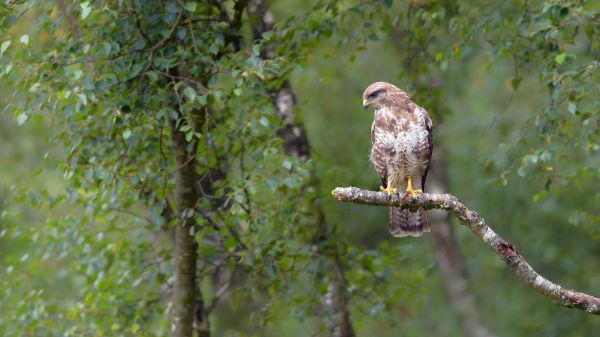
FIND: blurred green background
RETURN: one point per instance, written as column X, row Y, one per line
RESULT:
column 484, row 124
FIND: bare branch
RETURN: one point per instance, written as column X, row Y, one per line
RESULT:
column 472, row 220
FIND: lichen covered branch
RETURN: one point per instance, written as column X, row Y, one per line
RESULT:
column 472, row 220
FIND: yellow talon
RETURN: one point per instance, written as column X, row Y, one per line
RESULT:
column 389, row 190
column 410, row 190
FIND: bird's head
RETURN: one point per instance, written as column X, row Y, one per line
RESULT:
column 380, row 94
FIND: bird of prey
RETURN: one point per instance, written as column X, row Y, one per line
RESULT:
column 401, row 139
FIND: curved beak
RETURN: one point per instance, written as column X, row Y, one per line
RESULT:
column 365, row 104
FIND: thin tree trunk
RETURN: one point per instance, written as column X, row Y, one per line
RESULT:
column 186, row 249
column 295, row 143
column 185, row 296
column 189, row 312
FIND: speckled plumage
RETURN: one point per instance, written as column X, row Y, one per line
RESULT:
column 401, row 138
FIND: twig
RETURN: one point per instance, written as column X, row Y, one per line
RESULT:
column 472, row 220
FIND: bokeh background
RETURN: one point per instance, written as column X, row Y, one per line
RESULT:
column 487, row 126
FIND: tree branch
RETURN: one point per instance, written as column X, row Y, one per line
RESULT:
column 472, row 220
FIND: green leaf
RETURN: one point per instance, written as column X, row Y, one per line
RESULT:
column 387, row 4
column 4, row 46
column 572, row 108
column 267, row 35
column 264, row 121
column 85, row 10
column 24, row 39
column 531, row 158
column 190, row 6
column 230, row 244
column 560, row 58
column 152, row 75
column 187, row 213
column 135, row 70
column 22, row 118
column 83, row 99
column 190, row 93
column 126, row 134
column 202, row 99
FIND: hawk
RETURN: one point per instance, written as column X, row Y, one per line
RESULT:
column 402, row 142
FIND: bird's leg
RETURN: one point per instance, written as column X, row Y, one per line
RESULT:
column 410, row 190
column 388, row 189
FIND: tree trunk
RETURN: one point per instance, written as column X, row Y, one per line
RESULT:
column 186, row 196
column 295, row 143
column 187, row 300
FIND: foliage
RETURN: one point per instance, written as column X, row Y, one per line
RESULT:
column 99, row 82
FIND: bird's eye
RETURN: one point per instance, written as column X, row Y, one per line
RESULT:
column 373, row 95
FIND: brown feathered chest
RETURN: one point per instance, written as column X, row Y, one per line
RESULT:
column 401, row 139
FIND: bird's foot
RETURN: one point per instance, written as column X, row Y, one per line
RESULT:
column 389, row 190
column 410, row 191
column 414, row 193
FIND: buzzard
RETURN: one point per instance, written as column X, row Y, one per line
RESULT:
column 401, row 140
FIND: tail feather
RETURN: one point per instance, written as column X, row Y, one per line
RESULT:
column 406, row 223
